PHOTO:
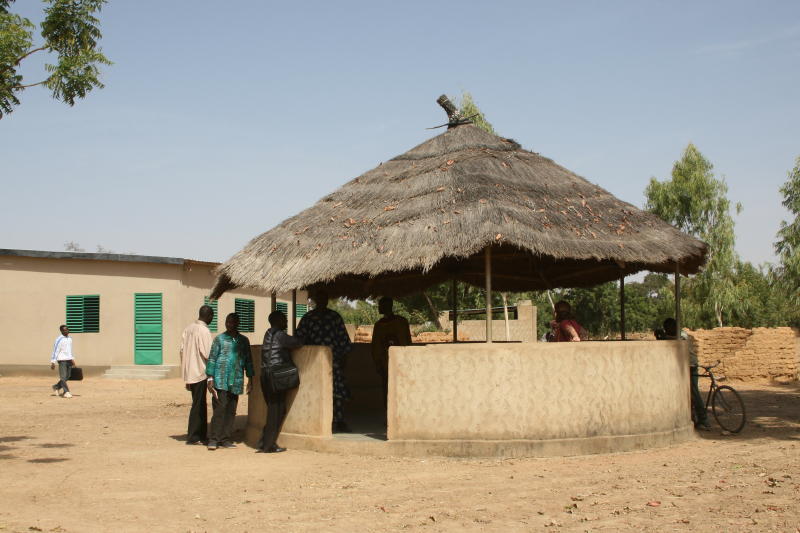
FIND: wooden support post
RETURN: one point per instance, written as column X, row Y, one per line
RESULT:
column 294, row 310
column 455, row 310
column 505, row 315
column 488, row 266
column 678, row 321
column 273, row 305
column 622, row 307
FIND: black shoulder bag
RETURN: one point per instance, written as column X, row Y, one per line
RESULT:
column 283, row 376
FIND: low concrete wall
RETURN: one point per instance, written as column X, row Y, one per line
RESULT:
column 310, row 409
column 579, row 397
column 515, row 399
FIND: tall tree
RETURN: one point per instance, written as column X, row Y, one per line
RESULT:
column 788, row 245
column 695, row 201
column 69, row 30
column 762, row 302
column 469, row 109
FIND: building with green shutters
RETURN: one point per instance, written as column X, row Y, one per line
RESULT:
column 121, row 309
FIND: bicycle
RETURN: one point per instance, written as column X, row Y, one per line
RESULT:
column 726, row 404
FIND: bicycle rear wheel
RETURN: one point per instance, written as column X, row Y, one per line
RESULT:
column 728, row 409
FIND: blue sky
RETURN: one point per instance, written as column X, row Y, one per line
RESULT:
column 219, row 120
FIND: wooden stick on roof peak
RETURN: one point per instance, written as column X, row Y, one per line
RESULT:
column 449, row 108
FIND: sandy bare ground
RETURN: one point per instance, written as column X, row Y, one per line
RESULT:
column 113, row 458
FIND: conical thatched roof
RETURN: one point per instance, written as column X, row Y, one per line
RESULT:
column 427, row 215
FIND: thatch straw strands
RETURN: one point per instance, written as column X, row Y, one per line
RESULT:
column 427, row 215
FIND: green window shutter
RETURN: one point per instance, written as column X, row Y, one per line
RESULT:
column 75, row 313
column 283, row 307
column 83, row 313
column 91, row 314
column 246, row 309
column 214, row 304
column 299, row 309
column 148, row 336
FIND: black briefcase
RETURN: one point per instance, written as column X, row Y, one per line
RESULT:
column 76, row 374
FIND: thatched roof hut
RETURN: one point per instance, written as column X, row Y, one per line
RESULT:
column 427, row 215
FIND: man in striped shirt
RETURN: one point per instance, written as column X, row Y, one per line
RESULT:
column 62, row 354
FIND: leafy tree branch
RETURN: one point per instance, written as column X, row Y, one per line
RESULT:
column 71, row 31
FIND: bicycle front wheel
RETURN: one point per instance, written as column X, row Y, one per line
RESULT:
column 728, row 409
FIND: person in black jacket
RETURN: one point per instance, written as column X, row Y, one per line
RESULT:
column 274, row 350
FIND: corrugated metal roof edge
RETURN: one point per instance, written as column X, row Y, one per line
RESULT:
column 102, row 257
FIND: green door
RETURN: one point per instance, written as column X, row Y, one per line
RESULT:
column 148, row 331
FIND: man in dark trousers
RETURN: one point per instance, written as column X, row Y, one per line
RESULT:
column 195, row 347
column 324, row 327
column 274, row 351
column 62, row 356
column 228, row 362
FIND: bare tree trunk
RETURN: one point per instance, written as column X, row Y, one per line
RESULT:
column 505, row 315
column 718, row 313
column 434, row 311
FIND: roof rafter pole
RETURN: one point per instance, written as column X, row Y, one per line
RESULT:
column 488, row 266
column 678, row 300
column 622, row 306
column 273, row 304
column 455, row 309
column 294, row 310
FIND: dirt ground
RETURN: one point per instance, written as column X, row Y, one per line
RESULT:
column 113, row 458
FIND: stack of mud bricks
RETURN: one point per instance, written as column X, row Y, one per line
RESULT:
column 749, row 354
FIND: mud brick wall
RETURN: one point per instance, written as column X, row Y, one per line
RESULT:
column 749, row 354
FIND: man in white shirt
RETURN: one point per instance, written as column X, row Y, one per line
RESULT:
column 195, row 348
column 62, row 354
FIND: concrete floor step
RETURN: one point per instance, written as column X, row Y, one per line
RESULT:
column 155, row 374
column 143, row 367
column 140, row 371
column 133, row 376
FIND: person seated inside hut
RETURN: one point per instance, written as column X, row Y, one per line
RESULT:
column 564, row 326
column 390, row 330
column 324, row 327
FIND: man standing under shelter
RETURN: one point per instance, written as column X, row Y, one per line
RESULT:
column 325, row 327
column 390, row 330
column 701, row 415
column 195, row 347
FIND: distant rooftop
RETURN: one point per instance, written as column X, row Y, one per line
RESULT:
column 102, row 257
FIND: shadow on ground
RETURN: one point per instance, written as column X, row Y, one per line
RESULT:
column 239, row 426
column 7, row 448
column 13, row 439
column 771, row 414
column 46, row 445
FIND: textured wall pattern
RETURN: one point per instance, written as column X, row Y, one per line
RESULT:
column 746, row 354
column 310, row 407
column 537, row 391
